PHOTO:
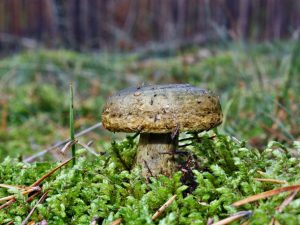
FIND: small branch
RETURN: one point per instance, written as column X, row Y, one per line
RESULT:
column 32, row 210
column 163, row 207
column 58, row 144
column 287, row 201
column 266, row 194
column 6, row 204
column 14, row 199
column 67, row 146
column 10, row 197
column 271, row 180
column 88, row 148
column 116, row 222
column 236, row 216
column 50, row 173
column 13, row 186
column 30, row 199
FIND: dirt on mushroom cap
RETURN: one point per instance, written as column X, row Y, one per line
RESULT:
column 161, row 109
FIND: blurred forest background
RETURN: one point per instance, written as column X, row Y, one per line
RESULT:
column 129, row 24
column 247, row 51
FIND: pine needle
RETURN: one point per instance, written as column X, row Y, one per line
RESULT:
column 163, row 207
column 266, row 194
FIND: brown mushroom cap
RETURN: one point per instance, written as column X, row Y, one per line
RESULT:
column 162, row 109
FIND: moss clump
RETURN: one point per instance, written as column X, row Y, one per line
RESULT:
column 103, row 188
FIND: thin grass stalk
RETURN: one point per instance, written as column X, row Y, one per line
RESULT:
column 71, row 124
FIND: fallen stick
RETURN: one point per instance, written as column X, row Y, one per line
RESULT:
column 266, row 194
column 58, row 144
column 32, row 210
column 280, row 208
column 271, row 180
column 163, row 207
column 287, row 201
column 13, row 186
column 50, row 173
column 33, row 187
column 116, row 222
column 6, row 204
column 10, row 197
column 234, row 217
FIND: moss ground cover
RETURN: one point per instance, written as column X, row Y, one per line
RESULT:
column 225, row 171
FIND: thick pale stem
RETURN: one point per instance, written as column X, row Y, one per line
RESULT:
column 156, row 154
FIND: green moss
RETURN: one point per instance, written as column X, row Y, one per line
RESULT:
column 103, row 188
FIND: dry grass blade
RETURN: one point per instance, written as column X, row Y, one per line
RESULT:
column 30, row 199
column 32, row 210
column 14, row 186
column 36, row 188
column 6, row 204
column 274, row 222
column 88, row 148
column 261, row 172
column 67, row 146
column 266, row 194
column 50, row 173
column 163, row 208
column 234, row 217
column 271, row 180
column 13, row 200
column 81, row 133
column 116, row 222
column 287, row 201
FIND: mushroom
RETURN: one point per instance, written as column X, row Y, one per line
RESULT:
column 159, row 113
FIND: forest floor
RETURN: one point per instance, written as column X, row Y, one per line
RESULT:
column 256, row 149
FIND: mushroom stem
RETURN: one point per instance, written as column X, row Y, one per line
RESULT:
column 156, row 154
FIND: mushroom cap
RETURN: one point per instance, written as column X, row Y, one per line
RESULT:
column 162, row 109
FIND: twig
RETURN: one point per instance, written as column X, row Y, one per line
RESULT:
column 67, row 145
column 163, row 207
column 88, row 148
column 271, row 180
column 287, row 201
column 10, row 197
column 32, row 210
column 50, row 173
column 33, row 196
column 33, row 187
column 14, row 199
column 58, row 144
column 234, row 217
column 266, row 194
column 116, row 222
column 13, row 186
column 274, row 221
column 6, row 204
